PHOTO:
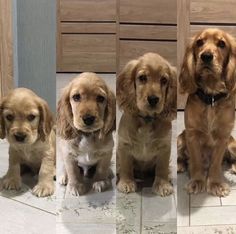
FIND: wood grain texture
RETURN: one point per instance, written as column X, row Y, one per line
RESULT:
column 88, row 28
column 152, row 11
column 194, row 29
column 92, row 10
column 58, row 37
column 133, row 49
column 148, row 32
column 213, row 11
column 6, row 47
column 88, row 53
column 183, row 14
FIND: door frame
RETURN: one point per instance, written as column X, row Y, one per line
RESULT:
column 6, row 46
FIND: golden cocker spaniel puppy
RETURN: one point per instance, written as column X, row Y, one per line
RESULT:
column 27, row 123
column 207, row 75
column 146, row 92
column 85, row 120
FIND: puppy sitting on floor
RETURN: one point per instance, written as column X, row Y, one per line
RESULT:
column 85, row 121
column 146, row 92
column 27, row 123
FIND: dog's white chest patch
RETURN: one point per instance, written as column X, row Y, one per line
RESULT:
column 86, row 155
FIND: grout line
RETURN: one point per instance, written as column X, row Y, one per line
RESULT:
column 189, row 211
column 141, row 211
column 37, row 208
column 215, row 225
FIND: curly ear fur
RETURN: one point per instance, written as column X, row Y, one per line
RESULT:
column 110, row 115
column 230, row 69
column 46, row 121
column 2, row 123
column 170, row 106
column 187, row 71
column 65, row 125
column 125, row 87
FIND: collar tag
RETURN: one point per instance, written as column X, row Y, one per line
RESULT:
column 212, row 101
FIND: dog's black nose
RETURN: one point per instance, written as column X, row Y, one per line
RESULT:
column 19, row 136
column 207, row 57
column 88, row 119
column 153, row 100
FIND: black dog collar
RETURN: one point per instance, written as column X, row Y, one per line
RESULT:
column 147, row 118
column 209, row 99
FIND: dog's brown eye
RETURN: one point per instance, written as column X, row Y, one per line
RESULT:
column 199, row 43
column 142, row 78
column 221, row 44
column 100, row 98
column 76, row 97
column 31, row 117
column 163, row 80
column 10, row 117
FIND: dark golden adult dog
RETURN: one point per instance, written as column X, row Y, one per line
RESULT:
column 208, row 76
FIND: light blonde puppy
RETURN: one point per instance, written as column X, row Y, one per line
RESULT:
column 146, row 92
column 85, row 121
column 27, row 123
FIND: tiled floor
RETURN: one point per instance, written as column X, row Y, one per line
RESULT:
column 204, row 213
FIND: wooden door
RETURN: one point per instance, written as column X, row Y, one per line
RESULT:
column 6, row 47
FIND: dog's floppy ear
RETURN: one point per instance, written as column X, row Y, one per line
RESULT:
column 46, row 121
column 2, row 122
column 65, row 125
column 187, row 71
column 230, row 69
column 125, row 86
column 170, row 107
column 110, row 114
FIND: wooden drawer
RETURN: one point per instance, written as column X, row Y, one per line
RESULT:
column 150, row 32
column 88, row 28
column 213, row 11
column 87, row 10
column 81, row 52
column 197, row 28
column 151, row 11
column 133, row 49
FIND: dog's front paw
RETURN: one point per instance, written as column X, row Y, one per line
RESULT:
column 11, row 183
column 127, row 186
column 77, row 189
column 102, row 185
column 196, row 186
column 43, row 189
column 218, row 189
column 63, row 179
column 162, row 188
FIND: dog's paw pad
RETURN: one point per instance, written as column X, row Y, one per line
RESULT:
column 218, row 189
column 196, row 186
column 127, row 186
column 11, row 183
column 43, row 190
column 163, row 188
column 102, row 185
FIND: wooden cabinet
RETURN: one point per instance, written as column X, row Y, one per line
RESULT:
column 86, row 36
column 146, row 26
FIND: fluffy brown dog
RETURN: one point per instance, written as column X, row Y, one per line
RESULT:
column 208, row 77
column 27, row 123
column 146, row 92
column 86, row 118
